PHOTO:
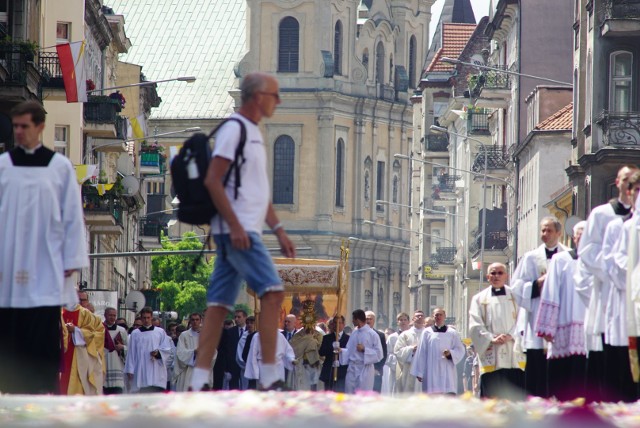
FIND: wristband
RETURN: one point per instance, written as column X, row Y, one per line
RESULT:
column 276, row 227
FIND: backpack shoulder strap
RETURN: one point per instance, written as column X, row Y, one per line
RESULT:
column 239, row 158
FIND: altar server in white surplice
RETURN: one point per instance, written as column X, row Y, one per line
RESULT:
column 439, row 351
column 526, row 284
column 405, row 350
column 285, row 356
column 389, row 378
column 363, row 350
column 150, row 351
column 633, row 292
column 493, row 327
column 42, row 244
column 186, row 352
column 561, row 323
column 614, row 250
column 593, row 283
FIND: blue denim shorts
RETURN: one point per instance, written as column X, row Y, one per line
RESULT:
column 232, row 266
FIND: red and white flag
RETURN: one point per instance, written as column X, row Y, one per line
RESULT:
column 71, row 56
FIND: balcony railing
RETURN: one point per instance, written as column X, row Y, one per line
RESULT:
column 446, row 183
column 490, row 79
column 496, row 159
column 478, row 121
column 498, row 240
column 437, row 142
column 151, row 228
column 50, row 68
column 620, row 129
column 103, row 204
column 101, row 109
column 19, row 67
column 444, row 255
column 620, row 9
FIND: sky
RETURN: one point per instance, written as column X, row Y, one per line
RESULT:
column 480, row 9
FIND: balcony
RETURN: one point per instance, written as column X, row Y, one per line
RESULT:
column 103, row 214
column 497, row 160
column 20, row 77
column 51, row 71
column 151, row 232
column 620, row 129
column 151, row 163
column 478, row 122
column 434, row 212
column 494, row 241
column 444, row 255
column 102, row 119
column 437, row 143
column 620, row 18
column 491, row 89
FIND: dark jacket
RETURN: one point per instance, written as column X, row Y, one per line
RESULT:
column 326, row 351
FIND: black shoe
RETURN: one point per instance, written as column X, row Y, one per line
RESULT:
column 205, row 388
column 275, row 386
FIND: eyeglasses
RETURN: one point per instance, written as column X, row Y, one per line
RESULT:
column 496, row 273
column 273, row 94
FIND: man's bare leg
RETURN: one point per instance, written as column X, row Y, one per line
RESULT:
column 207, row 343
column 270, row 305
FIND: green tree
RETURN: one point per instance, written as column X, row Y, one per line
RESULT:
column 181, row 288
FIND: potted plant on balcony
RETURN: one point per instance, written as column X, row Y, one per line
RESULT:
column 117, row 95
column 28, row 48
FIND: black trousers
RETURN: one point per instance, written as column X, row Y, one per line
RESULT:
column 30, row 354
column 337, row 387
column 112, row 390
column 504, row 383
column 151, row 389
column 536, row 373
column 567, row 377
column 617, row 373
column 595, row 383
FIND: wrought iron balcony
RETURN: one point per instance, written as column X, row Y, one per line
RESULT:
column 444, row 255
column 151, row 228
column 51, row 71
column 101, row 109
column 446, row 183
column 620, row 18
column 478, row 121
column 101, row 205
column 490, row 79
column 497, row 240
column 437, row 142
column 20, row 77
column 496, row 159
column 620, row 129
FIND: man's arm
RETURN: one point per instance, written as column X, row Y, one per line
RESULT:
column 214, row 182
column 286, row 246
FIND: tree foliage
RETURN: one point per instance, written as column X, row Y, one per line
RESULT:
column 181, row 289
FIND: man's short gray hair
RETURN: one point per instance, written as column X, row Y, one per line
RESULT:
column 579, row 226
column 252, row 84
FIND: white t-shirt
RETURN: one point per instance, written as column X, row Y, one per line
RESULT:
column 254, row 194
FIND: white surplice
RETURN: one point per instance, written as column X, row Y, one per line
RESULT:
column 562, row 310
column 186, row 360
column 592, row 282
column 439, row 374
column 532, row 266
column 360, row 373
column 633, row 277
column 614, row 259
column 390, row 366
column 148, row 371
column 284, row 357
column 404, row 351
column 490, row 316
column 43, row 234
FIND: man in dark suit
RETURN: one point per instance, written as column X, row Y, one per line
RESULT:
column 379, row 366
column 289, row 327
column 336, row 325
column 227, row 351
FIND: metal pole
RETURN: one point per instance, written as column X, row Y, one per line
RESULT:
column 167, row 253
column 484, row 219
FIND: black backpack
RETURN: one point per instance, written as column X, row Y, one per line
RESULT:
column 195, row 205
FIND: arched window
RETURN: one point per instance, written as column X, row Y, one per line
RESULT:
column 283, row 158
column 339, row 173
column 380, row 63
column 412, row 62
column 620, row 77
column 337, row 49
column 288, row 45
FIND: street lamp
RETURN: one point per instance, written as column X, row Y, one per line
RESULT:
column 188, row 79
column 182, row 131
column 353, row 238
column 426, row 210
column 369, row 269
column 407, row 230
column 499, row 70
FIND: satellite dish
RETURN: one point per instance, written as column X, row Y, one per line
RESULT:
column 131, row 185
column 135, row 301
column 570, row 223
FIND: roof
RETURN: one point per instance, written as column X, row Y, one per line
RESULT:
column 454, row 39
column 559, row 121
column 200, row 38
